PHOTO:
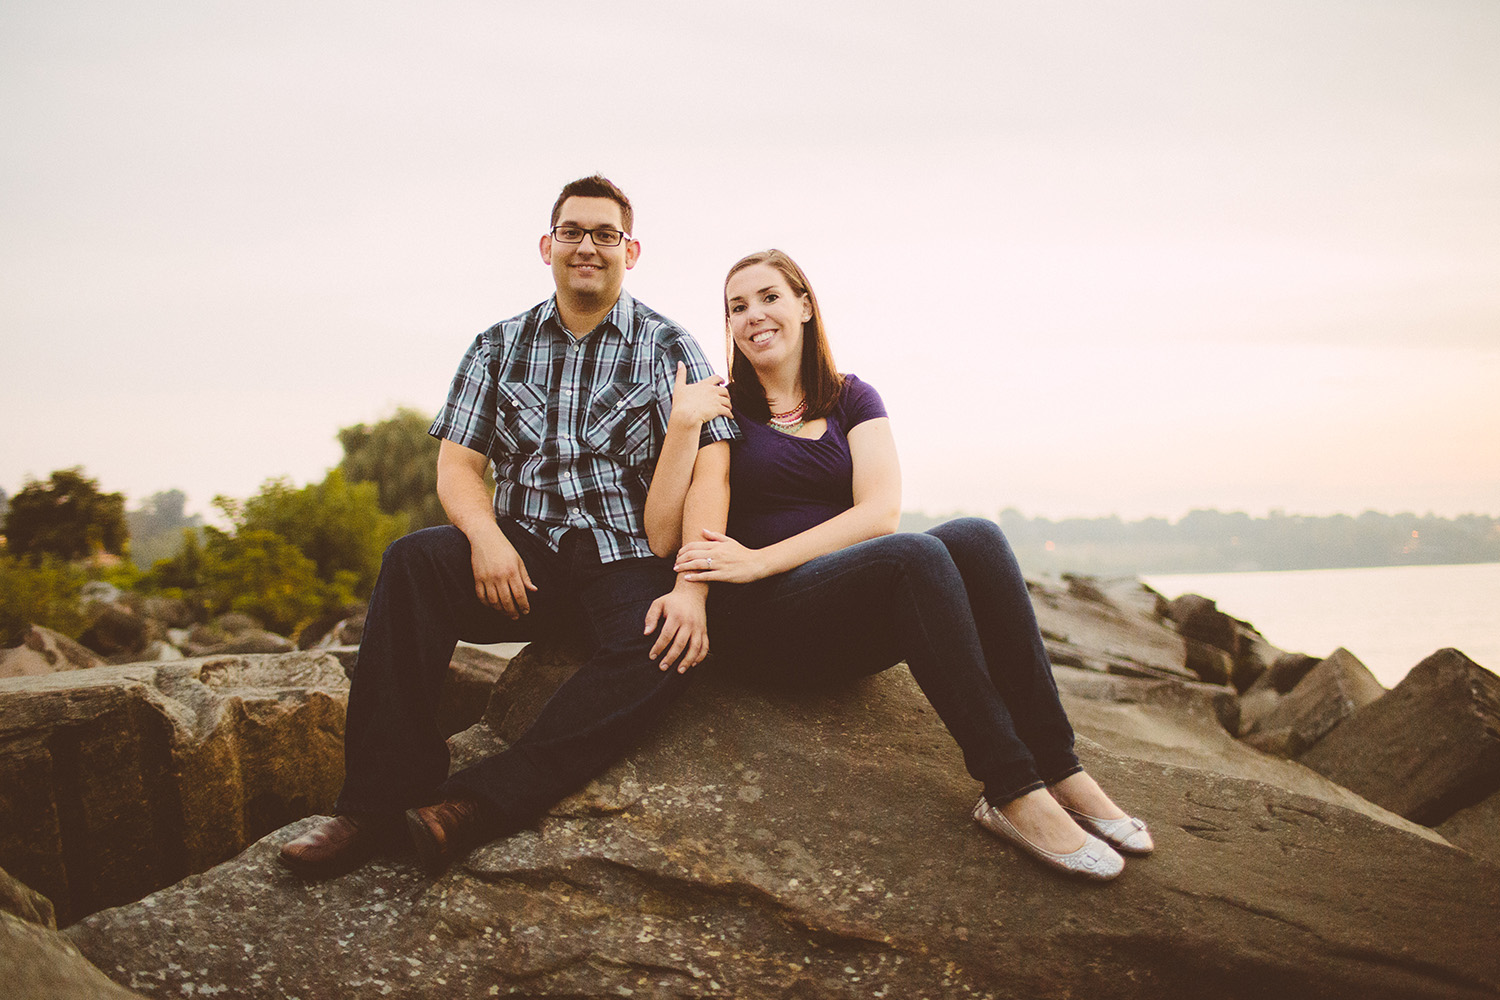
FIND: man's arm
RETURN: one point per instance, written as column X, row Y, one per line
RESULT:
column 683, row 613
column 500, row 577
column 692, row 406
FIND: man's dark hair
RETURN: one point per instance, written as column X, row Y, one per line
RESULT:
column 596, row 186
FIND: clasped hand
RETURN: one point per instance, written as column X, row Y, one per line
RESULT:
column 697, row 403
column 717, row 558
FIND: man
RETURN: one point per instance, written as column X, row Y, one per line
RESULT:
column 570, row 401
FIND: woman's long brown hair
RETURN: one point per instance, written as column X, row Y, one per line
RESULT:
column 821, row 381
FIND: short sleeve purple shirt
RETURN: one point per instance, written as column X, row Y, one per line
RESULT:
column 780, row 485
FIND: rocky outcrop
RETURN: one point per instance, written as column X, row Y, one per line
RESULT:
column 764, row 843
column 38, row 963
column 1083, row 628
column 20, row 900
column 1328, row 694
column 1427, row 748
column 119, row 780
column 43, row 651
column 1122, row 626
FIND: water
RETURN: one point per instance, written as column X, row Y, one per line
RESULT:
column 1390, row 617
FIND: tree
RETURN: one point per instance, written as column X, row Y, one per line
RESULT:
column 261, row 574
column 336, row 524
column 156, row 527
column 67, row 517
column 400, row 458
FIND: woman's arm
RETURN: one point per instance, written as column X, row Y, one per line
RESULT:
column 876, row 511
column 683, row 613
column 692, row 406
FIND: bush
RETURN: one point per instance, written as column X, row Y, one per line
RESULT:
column 44, row 593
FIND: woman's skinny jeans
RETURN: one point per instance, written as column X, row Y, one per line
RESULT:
column 953, row 604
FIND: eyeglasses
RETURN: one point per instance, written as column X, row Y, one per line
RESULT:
column 602, row 237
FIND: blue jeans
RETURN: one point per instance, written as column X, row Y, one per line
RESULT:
column 953, row 604
column 395, row 756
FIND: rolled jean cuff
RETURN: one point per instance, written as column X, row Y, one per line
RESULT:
column 1075, row 768
column 999, row 799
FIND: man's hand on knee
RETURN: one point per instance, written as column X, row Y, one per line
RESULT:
column 682, row 616
column 500, row 577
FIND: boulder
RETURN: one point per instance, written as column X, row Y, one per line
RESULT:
column 119, row 780
column 115, row 631
column 793, row 843
column 1199, row 619
column 1476, row 829
column 255, row 641
column 20, row 900
column 1428, row 748
column 1094, row 633
column 43, row 651
column 343, row 626
column 38, row 963
column 1327, row 696
column 1190, row 725
column 472, row 674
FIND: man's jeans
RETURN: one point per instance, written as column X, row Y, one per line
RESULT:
column 952, row 602
column 424, row 602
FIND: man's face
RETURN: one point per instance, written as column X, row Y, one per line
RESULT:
column 586, row 273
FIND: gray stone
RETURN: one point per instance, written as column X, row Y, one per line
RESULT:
column 1189, row 725
column 119, row 780
column 817, row 844
column 1428, row 748
column 20, row 900
column 1096, row 634
column 1324, row 698
column 38, row 963
column 43, row 651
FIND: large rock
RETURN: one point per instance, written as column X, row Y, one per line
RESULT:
column 1428, row 748
column 38, row 963
column 1476, row 829
column 20, row 900
column 43, row 651
column 116, row 631
column 1189, row 725
column 119, row 780
column 1083, row 627
column 1325, row 697
column 817, row 844
column 1200, row 621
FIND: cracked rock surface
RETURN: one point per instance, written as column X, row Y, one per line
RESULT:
column 817, row 844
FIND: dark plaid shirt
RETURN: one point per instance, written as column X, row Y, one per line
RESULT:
column 573, row 427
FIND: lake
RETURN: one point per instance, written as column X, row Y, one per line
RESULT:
column 1391, row 617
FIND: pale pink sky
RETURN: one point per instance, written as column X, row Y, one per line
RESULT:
column 1098, row 258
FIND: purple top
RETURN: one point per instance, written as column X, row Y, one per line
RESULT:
column 780, row 485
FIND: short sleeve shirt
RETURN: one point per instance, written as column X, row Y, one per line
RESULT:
column 574, row 427
column 780, row 485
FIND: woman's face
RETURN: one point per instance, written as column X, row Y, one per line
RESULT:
column 766, row 316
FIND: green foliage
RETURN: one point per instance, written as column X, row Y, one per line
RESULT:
column 40, row 592
column 66, row 517
column 261, row 574
column 337, row 524
column 400, row 458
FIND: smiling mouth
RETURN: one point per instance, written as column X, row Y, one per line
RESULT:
column 761, row 336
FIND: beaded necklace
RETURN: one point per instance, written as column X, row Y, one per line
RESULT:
column 792, row 420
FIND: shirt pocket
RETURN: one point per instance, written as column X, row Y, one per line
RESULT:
column 621, row 420
column 523, row 416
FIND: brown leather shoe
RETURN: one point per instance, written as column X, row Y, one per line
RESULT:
column 333, row 847
column 444, row 831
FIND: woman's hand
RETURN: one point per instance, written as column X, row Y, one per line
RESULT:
column 720, row 559
column 699, row 402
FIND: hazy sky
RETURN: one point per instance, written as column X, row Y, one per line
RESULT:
column 1114, row 257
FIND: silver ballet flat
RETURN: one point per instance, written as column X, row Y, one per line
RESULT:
column 1126, row 834
column 1094, row 860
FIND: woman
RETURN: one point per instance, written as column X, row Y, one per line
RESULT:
column 812, row 574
